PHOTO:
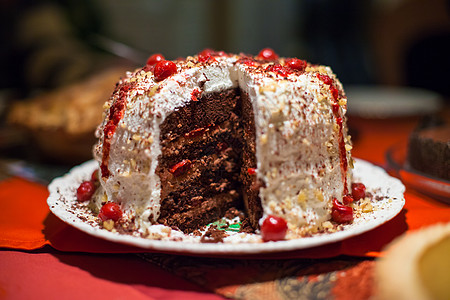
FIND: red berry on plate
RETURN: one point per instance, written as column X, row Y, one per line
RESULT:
column 85, row 191
column 180, row 168
column 251, row 171
column 267, row 54
column 296, row 64
column 341, row 213
column 94, row 176
column 273, row 228
column 358, row 191
column 154, row 59
column 110, row 211
column 164, row 69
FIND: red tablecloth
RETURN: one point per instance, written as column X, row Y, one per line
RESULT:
column 58, row 259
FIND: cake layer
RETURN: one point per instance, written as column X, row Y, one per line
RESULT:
column 210, row 210
column 199, row 164
column 209, row 109
column 202, row 141
column 207, row 172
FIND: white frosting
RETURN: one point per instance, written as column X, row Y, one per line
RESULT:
column 294, row 128
column 297, row 141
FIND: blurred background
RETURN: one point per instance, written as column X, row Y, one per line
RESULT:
column 60, row 59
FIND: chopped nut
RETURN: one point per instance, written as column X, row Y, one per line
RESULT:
column 104, row 198
column 366, row 207
column 306, row 142
column 288, row 203
column 268, row 88
column 167, row 230
column 322, row 69
column 264, row 138
column 336, row 128
column 351, row 163
column 301, row 198
column 272, row 205
column 327, row 225
column 133, row 163
column 319, row 195
column 153, row 90
column 108, row 225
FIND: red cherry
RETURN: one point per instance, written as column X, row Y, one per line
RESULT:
column 154, row 59
column 180, row 168
column 85, row 191
column 206, row 55
column 267, row 54
column 279, row 69
column 341, row 213
column 273, row 228
column 358, row 191
column 94, row 176
column 164, row 69
column 296, row 64
column 110, row 211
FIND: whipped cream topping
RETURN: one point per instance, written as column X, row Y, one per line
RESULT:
column 297, row 138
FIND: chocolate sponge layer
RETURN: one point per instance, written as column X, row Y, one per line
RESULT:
column 208, row 147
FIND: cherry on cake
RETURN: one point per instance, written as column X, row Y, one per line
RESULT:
column 185, row 142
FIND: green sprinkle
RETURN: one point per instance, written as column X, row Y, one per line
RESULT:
column 223, row 225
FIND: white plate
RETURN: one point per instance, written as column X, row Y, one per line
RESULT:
column 62, row 202
column 385, row 102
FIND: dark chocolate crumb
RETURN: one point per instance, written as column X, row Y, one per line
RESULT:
column 213, row 235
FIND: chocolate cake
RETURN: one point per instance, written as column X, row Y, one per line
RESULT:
column 429, row 151
column 184, row 141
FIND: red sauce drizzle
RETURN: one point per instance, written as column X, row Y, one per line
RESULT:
column 116, row 113
column 339, row 121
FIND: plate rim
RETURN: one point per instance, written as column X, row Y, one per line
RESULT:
column 190, row 247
